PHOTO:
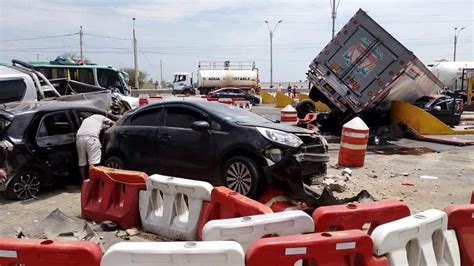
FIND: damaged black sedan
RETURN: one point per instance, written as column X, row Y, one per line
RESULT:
column 213, row 142
column 38, row 145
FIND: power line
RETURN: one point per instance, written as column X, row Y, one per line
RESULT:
column 148, row 61
column 107, row 37
column 39, row 38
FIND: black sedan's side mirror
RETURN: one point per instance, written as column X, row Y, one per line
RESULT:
column 200, row 126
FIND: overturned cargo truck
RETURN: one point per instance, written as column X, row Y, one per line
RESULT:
column 362, row 70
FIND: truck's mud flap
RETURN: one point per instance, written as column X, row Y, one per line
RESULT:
column 286, row 175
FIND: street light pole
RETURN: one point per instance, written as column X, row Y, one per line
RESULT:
column 135, row 56
column 456, row 36
column 334, row 7
column 271, row 32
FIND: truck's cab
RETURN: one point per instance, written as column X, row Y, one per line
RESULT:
column 183, row 83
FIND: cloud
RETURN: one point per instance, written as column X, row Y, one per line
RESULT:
column 169, row 10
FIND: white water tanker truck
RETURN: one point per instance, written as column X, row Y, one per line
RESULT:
column 215, row 75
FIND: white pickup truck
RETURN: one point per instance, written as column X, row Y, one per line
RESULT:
column 21, row 83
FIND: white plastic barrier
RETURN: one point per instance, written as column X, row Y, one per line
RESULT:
column 164, row 209
column 227, row 253
column 247, row 229
column 420, row 239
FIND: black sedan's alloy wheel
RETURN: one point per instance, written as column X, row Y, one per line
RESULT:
column 25, row 185
column 242, row 175
column 114, row 162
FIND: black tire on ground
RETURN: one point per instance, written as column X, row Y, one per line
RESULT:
column 114, row 162
column 24, row 185
column 243, row 175
column 304, row 107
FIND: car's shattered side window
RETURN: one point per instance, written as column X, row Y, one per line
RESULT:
column 55, row 124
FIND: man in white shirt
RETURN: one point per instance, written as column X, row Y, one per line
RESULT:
column 89, row 149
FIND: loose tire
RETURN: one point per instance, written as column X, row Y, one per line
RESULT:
column 114, row 162
column 243, row 175
column 24, row 185
column 305, row 107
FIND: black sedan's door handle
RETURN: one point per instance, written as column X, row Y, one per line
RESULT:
column 125, row 134
column 165, row 137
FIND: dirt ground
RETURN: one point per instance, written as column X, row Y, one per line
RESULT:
column 384, row 173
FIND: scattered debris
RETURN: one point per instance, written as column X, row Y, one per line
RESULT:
column 19, row 233
column 122, row 234
column 286, row 176
column 132, row 232
column 328, row 181
column 405, row 174
column 428, row 177
column 408, row 184
column 338, row 186
column 59, row 225
column 108, row 226
column 347, row 171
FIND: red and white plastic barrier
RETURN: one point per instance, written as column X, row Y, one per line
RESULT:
column 329, row 248
column 112, row 194
column 461, row 221
column 165, row 211
column 420, row 239
column 226, row 100
column 35, row 252
column 207, row 253
column 246, row 230
column 355, row 215
column 226, row 203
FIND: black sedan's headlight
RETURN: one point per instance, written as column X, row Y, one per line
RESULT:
column 280, row 137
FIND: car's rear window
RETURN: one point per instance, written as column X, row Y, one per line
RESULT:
column 12, row 90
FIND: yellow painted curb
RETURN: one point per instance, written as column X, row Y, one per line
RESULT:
column 421, row 121
column 319, row 105
column 266, row 97
column 281, row 100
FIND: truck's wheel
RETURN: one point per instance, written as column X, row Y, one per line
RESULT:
column 188, row 92
column 24, row 185
column 243, row 175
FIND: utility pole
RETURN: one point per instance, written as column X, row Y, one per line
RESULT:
column 135, row 55
column 37, row 57
column 271, row 32
column 161, row 73
column 81, row 43
column 334, row 7
column 456, row 36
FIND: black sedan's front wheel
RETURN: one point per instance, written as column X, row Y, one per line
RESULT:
column 24, row 185
column 114, row 162
column 243, row 175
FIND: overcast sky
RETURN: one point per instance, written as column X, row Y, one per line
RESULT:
column 184, row 32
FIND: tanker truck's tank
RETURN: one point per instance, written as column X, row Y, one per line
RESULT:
column 227, row 78
column 450, row 73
